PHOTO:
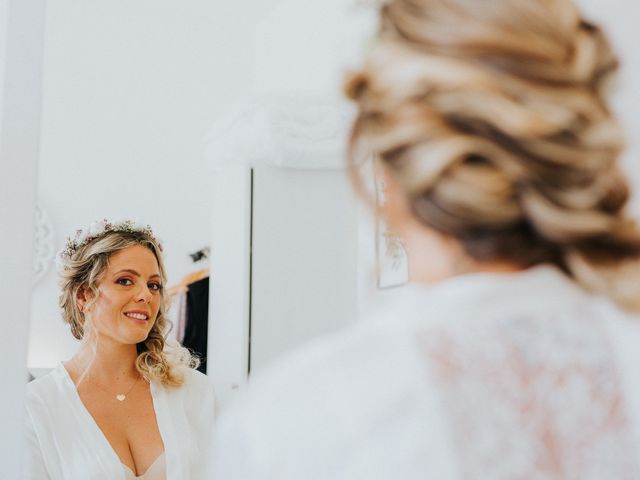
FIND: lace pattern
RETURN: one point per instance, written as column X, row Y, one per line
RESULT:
column 532, row 397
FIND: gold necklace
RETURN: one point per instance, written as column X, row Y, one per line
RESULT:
column 121, row 397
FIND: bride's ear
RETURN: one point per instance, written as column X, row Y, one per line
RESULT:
column 82, row 298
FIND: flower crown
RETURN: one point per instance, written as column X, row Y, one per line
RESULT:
column 84, row 236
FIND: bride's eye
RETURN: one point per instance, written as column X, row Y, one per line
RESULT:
column 124, row 281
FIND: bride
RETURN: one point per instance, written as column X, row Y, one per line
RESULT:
column 126, row 405
column 511, row 356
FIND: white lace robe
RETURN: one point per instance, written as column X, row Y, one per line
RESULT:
column 510, row 376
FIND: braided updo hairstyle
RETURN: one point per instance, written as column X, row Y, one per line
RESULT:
column 491, row 118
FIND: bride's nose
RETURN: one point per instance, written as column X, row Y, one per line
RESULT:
column 144, row 294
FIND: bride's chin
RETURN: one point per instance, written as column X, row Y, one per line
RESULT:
column 133, row 338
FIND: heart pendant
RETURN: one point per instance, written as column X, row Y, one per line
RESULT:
column 121, row 397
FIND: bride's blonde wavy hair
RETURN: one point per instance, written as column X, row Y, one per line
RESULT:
column 83, row 271
column 491, row 118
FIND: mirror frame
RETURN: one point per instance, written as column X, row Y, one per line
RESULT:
column 21, row 60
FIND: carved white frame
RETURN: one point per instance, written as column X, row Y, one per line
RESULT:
column 44, row 250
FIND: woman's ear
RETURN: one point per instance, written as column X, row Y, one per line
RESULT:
column 82, row 298
column 432, row 256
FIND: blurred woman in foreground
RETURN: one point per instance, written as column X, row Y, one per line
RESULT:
column 510, row 356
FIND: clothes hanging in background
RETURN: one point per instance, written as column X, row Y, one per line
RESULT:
column 190, row 298
column 177, row 295
column 196, row 327
column 183, row 285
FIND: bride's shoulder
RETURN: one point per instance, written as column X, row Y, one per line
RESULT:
column 47, row 390
column 195, row 380
column 195, row 387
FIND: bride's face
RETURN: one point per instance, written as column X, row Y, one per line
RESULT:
column 128, row 298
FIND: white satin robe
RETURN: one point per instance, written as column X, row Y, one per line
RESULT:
column 65, row 443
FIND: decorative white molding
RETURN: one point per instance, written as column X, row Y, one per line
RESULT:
column 44, row 245
column 297, row 130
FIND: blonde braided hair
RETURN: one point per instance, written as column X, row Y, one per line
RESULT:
column 492, row 119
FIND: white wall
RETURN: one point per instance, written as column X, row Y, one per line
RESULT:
column 130, row 89
column 308, row 45
column 620, row 21
column 304, row 258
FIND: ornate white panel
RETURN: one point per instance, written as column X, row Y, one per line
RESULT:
column 44, row 245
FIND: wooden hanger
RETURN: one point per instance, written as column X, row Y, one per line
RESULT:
column 183, row 285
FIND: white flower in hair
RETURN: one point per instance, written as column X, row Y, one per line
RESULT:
column 84, row 236
column 96, row 229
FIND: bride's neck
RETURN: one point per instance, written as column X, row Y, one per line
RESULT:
column 434, row 257
column 111, row 361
